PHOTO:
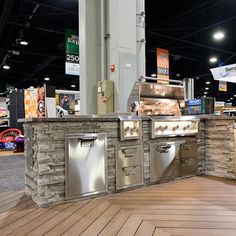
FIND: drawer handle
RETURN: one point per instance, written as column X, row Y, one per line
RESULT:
column 87, row 141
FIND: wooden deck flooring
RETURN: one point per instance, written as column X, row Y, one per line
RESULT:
column 196, row 206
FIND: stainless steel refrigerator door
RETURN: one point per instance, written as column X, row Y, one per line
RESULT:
column 85, row 164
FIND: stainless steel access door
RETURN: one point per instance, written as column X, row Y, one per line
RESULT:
column 85, row 164
column 164, row 160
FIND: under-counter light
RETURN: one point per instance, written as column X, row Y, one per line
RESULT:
column 24, row 43
column 6, row 67
column 219, row 35
column 213, row 59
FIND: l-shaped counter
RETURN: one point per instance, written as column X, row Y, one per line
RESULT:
column 127, row 163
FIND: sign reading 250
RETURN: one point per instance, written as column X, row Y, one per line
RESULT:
column 72, row 58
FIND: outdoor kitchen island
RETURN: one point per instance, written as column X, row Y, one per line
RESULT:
column 120, row 153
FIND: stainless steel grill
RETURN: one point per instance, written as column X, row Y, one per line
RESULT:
column 177, row 155
column 174, row 126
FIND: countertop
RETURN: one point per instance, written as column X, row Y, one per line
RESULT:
column 116, row 118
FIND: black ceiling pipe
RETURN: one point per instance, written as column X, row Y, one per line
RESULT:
column 5, row 13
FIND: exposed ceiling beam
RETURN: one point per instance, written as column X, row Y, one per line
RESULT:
column 5, row 13
column 51, row 6
column 192, row 43
column 36, row 28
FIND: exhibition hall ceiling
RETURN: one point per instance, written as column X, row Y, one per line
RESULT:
column 184, row 27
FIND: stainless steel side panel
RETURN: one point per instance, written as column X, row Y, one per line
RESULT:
column 164, row 160
column 189, row 159
column 85, row 164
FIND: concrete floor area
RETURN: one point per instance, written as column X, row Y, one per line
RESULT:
column 11, row 172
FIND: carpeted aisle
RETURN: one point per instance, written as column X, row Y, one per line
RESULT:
column 12, row 172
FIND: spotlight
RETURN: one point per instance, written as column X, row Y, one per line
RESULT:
column 46, row 78
column 218, row 35
column 24, row 43
column 213, row 59
column 6, row 67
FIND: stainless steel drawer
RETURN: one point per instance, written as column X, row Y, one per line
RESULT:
column 129, row 176
column 188, row 165
column 189, row 149
column 129, row 167
column 129, row 156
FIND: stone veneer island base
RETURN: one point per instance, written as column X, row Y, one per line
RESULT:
column 45, row 151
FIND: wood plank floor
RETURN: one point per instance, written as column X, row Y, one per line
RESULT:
column 203, row 206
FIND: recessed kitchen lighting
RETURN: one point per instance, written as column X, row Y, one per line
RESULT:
column 234, row 95
column 208, row 82
column 46, row 78
column 205, row 92
column 206, row 88
column 153, row 75
column 6, row 67
column 24, row 43
column 213, row 59
column 204, row 96
column 231, row 98
column 219, row 35
column 73, row 86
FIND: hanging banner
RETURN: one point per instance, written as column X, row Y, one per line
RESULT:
column 225, row 73
column 222, row 86
column 72, row 53
column 162, row 63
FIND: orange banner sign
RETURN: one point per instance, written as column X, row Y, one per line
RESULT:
column 162, row 63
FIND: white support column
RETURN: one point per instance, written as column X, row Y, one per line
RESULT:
column 141, row 39
column 90, row 53
column 122, row 49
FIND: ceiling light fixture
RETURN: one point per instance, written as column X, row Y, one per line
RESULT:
column 213, row 59
column 219, row 35
column 73, row 86
column 24, row 43
column 205, row 92
column 46, row 78
column 208, row 82
column 234, row 95
column 204, row 96
column 6, row 67
column 206, row 88
column 231, row 98
column 153, row 75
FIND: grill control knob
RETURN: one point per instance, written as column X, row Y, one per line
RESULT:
column 186, row 127
column 166, row 127
column 159, row 128
column 175, row 127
